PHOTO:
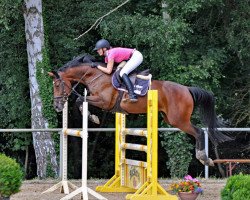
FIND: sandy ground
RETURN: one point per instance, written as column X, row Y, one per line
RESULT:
column 31, row 190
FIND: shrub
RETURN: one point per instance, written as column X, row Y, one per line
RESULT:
column 236, row 188
column 10, row 176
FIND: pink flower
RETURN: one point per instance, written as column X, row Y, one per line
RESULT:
column 188, row 177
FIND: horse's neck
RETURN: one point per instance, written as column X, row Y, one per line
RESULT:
column 88, row 76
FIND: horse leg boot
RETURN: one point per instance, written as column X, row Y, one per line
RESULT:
column 130, row 87
column 200, row 149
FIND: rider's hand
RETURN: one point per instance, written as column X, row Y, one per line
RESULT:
column 94, row 65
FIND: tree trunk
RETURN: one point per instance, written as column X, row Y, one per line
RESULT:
column 42, row 141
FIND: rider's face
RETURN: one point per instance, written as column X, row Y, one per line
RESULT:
column 101, row 52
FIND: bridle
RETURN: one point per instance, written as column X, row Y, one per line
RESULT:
column 64, row 96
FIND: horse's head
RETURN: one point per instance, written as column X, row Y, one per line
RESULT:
column 62, row 89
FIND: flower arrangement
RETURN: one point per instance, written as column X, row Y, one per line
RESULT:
column 189, row 184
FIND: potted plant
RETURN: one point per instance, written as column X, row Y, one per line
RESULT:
column 11, row 177
column 187, row 189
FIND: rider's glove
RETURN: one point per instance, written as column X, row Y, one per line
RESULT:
column 94, row 65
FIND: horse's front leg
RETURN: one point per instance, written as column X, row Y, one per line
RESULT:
column 200, row 149
column 91, row 117
column 95, row 101
column 92, row 100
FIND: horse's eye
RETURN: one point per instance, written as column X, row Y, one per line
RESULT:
column 57, row 84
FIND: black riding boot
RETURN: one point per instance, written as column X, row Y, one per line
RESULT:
column 130, row 87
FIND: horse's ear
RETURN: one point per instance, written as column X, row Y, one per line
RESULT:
column 53, row 74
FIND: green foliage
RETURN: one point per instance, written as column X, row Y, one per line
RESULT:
column 14, row 87
column 236, row 82
column 45, row 81
column 10, row 176
column 46, row 89
column 237, row 188
column 8, row 12
column 178, row 147
column 219, row 45
column 170, row 50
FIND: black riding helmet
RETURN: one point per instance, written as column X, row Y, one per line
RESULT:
column 102, row 44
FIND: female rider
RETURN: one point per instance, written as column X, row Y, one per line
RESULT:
column 116, row 55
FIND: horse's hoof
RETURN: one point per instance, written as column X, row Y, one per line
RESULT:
column 94, row 119
column 211, row 162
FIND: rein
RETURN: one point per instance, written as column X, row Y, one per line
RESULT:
column 90, row 82
column 65, row 95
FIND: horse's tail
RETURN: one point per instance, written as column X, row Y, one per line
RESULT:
column 206, row 103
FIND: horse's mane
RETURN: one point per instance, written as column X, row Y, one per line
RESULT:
column 78, row 60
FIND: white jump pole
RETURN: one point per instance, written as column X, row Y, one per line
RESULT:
column 206, row 150
column 84, row 190
column 64, row 184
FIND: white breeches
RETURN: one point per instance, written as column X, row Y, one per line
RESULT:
column 135, row 60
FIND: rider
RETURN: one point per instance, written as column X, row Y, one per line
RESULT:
column 116, row 55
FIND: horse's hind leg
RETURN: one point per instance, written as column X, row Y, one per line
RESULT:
column 177, row 112
column 199, row 136
column 200, row 147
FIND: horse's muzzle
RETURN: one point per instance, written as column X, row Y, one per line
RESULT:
column 59, row 103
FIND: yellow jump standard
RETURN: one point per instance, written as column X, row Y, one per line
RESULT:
column 138, row 176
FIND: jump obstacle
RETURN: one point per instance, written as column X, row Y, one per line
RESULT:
column 65, row 184
column 133, row 175
column 130, row 175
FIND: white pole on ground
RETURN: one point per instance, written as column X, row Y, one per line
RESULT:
column 84, row 190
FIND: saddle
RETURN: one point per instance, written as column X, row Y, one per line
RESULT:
column 140, row 80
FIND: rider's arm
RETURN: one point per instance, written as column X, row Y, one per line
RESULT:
column 108, row 69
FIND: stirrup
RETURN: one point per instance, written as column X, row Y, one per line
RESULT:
column 130, row 100
column 133, row 100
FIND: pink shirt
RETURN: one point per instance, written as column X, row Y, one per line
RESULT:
column 118, row 54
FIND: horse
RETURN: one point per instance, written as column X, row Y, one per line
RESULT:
column 176, row 102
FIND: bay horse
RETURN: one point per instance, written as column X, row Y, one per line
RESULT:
column 176, row 102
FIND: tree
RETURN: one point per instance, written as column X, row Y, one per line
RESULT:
column 42, row 141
